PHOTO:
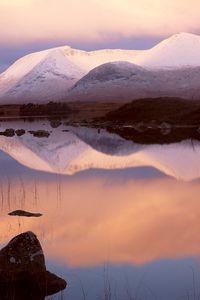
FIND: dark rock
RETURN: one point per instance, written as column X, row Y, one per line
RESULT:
column 40, row 133
column 54, row 284
column 23, row 273
column 55, row 123
column 8, row 132
column 23, row 213
column 20, row 132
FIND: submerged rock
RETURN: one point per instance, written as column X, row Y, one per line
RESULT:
column 23, row 273
column 40, row 133
column 23, row 213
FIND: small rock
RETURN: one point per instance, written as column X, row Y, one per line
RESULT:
column 40, row 133
column 23, row 213
column 20, row 132
column 8, row 132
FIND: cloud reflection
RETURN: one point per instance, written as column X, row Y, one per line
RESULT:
column 90, row 221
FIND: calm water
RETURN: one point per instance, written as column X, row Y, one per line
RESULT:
column 120, row 220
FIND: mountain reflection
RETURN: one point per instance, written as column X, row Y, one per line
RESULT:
column 70, row 149
column 87, row 221
column 139, row 212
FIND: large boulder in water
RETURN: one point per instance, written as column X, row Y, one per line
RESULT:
column 23, row 273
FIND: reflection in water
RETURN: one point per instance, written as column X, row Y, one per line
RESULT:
column 95, row 217
column 125, row 222
column 69, row 150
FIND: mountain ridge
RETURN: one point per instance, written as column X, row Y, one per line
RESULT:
column 33, row 76
column 48, row 75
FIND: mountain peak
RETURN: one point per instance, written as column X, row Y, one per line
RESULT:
column 183, row 34
column 182, row 37
column 179, row 50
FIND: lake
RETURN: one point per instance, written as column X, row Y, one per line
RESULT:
column 120, row 220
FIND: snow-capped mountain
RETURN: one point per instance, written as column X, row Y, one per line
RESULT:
column 179, row 50
column 81, row 149
column 46, row 75
column 49, row 75
column 123, row 81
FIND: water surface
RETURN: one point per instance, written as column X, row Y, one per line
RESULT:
column 120, row 220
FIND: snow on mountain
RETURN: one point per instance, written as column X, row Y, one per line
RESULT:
column 82, row 149
column 123, row 81
column 46, row 75
column 46, row 79
column 179, row 50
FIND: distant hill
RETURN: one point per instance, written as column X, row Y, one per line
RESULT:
column 172, row 110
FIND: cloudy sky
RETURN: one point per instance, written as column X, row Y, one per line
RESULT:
column 31, row 25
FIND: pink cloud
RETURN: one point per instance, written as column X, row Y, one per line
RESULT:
column 94, row 20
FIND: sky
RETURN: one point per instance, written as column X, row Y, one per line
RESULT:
column 33, row 25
